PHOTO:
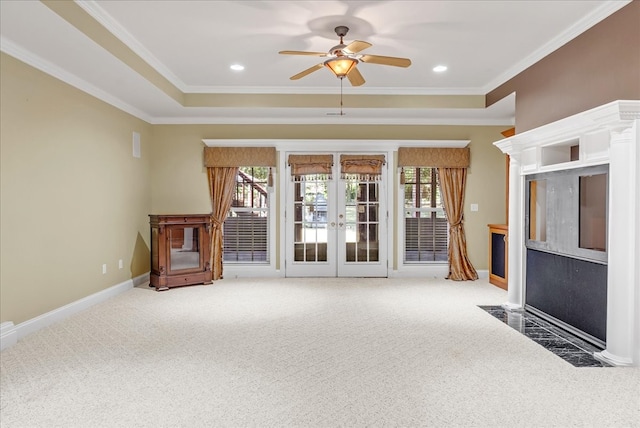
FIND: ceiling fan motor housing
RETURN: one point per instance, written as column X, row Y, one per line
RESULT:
column 341, row 30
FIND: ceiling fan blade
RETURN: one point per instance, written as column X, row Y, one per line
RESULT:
column 357, row 46
column 355, row 77
column 386, row 60
column 303, row 53
column 307, row 71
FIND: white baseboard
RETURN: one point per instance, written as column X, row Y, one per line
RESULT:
column 10, row 334
column 247, row 271
column 428, row 271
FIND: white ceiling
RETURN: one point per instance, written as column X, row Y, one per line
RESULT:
column 193, row 43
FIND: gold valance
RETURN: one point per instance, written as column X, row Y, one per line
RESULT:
column 433, row 157
column 303, row 165
column 361, row 167
column 239, row 156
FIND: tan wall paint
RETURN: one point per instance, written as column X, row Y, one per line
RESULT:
column 72, row 195
column 179, row 182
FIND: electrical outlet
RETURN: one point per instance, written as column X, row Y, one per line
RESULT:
column 474, row 207
column 120, row 264
column 104, row 268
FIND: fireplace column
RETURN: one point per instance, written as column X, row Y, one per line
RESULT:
column 622, row 332
column 515, row 281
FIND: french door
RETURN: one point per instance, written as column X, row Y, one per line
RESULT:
column 336, row 226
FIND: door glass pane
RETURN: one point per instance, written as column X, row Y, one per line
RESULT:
column 361, row 221
column 310, row 219
column 185, row 248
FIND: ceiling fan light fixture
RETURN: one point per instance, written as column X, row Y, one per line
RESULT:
column 341, row 66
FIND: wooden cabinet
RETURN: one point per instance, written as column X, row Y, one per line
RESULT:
column 180, row 249
column 498, row 254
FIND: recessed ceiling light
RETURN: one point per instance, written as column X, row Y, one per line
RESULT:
column 440, row 68
column 236, row 67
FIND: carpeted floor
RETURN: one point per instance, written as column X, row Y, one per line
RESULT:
column 304, row 353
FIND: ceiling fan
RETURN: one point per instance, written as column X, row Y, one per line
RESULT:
column 342, row 59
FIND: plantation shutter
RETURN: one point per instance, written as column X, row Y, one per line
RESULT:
column 245, row 238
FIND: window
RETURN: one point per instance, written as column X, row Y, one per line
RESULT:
column 425, row 225
column 246, row 229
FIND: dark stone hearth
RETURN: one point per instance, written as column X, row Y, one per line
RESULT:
column 562, row 343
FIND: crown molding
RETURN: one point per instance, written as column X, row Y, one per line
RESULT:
column 329, row 120
column 331, row 90
column 612, row 116
column 107, row 21
column 13, row 49
column 598, row 15
column 335, row 144
column 10, row 48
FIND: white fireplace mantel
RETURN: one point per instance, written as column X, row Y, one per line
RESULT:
column 609, row 134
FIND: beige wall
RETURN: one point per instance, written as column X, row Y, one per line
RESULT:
column 179, row 182
column 72, row 195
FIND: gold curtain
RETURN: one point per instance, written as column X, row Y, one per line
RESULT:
column 452, row 183
column 222, row 182
column 303, row 165
column 361, row 167
column 433, row 157
column 239, row 156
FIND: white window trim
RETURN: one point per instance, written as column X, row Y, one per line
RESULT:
column 305, row 145
column 412, row 270
column 253, row 270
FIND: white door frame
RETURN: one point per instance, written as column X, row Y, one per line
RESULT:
column 365, row 269
column 336, row 264
column 326, row 268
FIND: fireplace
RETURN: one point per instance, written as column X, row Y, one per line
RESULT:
column 574, row 234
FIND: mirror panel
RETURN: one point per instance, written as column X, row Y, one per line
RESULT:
column 185, row 248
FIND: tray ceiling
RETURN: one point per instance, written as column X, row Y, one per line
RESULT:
column 168, row 61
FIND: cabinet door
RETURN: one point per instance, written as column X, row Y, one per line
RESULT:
column 498, row 257
column 184, row 246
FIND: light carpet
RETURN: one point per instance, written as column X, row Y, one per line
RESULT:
column 304, row 353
